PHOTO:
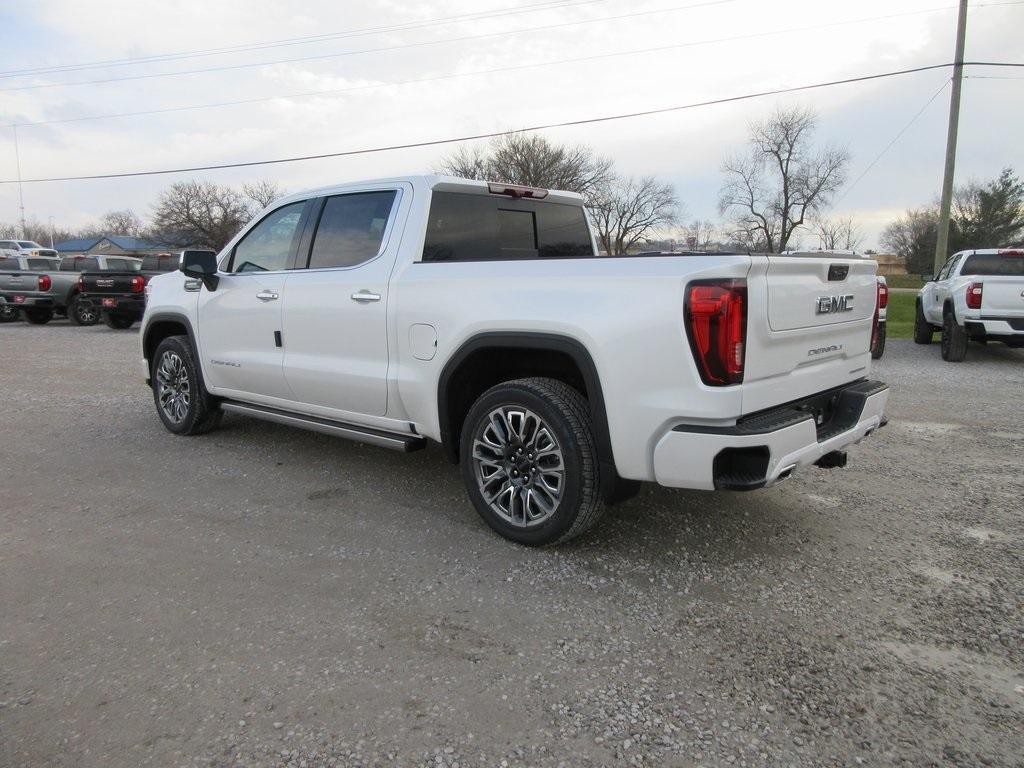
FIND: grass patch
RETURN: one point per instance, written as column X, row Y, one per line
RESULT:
column 904, row 281
column 899, row 317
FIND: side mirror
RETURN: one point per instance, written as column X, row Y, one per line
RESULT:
column 201, row 265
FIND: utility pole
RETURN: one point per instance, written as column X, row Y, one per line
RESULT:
column 942, row 242
column 21, row 192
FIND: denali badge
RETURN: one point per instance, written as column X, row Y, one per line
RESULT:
column 104, row 283
column 824, row 350
column 828, row 304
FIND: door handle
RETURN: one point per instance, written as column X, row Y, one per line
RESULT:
column 364, row 296
column 267, row 296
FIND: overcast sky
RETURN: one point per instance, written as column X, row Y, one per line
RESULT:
column 673, row 53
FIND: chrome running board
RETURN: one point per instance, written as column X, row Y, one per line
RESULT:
column 392, row 440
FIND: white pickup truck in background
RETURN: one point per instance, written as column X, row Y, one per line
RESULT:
column 480, row 317
column 977, row 295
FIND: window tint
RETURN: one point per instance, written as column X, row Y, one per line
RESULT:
column 351, row 229
column 268, row 246
column 79, row 264
column 8, row 265
column 122, row 265
column 469, row 227
column 8, row 244
column 40, row 265
column 28, row 244
column 164, row 262
column 994, row 264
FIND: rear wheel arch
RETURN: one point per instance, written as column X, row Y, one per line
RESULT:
column 471, row 371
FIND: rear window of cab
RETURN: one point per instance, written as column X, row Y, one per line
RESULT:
column 479, row 227
column 994, row 265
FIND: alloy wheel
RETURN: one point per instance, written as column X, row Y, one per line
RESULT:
column 174, row 390
column 518, row 465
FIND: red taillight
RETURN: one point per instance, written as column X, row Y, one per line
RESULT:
column 974, row 295
column 138, row 284
column 716, row 321
column 1011, row 252
column 45, row 282
column 883, row 295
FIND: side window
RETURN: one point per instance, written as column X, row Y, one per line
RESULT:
column 351, row 229
column 268, row 245
column 950, row 265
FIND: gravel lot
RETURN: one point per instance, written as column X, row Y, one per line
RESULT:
column 266, row 596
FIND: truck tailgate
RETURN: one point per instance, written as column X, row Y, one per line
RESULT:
column 1002, row 296
column 809, row 326
column 108, row 283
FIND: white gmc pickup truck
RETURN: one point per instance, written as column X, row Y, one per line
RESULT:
column 480, row 316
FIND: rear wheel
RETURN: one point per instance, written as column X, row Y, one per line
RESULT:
column 118, row 322
column 37, row 316
column 8, row 313
column 529, row 461
column 879, row 348
column 954, row 339
column 82, row 312
column 182, row 402
column 923, row 330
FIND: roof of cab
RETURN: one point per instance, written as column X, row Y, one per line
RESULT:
column 423, row 181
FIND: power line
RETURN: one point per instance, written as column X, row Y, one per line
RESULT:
column 889, row 146
column 455, row 140
column 496, row 70
column 291, row 41
column 318, row 57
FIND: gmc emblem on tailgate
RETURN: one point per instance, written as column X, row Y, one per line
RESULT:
column 826, row 305
column 104, row 283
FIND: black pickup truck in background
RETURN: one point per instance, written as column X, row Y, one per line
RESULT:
column 121, row 296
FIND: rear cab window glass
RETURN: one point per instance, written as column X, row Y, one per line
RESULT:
column 39, row 265
column 994, row 264
column 269, row 245
column 87, row 264
column 482, row 227
column 8, row 265
column 351, row 229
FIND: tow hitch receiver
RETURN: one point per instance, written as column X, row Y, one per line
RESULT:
column 832, row 460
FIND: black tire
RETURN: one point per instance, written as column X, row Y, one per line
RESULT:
column 954, row 339
column 8, row 313
column 879, row 349
column 564, row 415
column 118, row 322
column 201, row 412
column 923, row 330
column 82, row 312
column 37, row 316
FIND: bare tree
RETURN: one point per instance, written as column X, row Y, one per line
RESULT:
column 532, row 160
column 263, row 193
column 199, row 213
column 123, row 222
column 840, row 234
column 625, row 210
column 701, row 235
column 781, row 180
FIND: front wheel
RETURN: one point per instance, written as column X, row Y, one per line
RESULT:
column 182, row 402
column 954, row 339
column 530, row 463
column 923, row 330
column 37, row 316
column 118, row 322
